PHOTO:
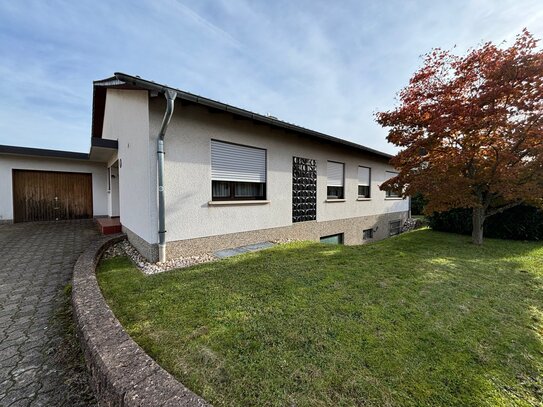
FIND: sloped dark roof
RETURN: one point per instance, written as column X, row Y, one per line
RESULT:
column 124, row 81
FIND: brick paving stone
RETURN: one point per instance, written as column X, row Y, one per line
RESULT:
column 36, row 263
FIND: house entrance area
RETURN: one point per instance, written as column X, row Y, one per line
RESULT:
column 114, row 210
column 51, row 195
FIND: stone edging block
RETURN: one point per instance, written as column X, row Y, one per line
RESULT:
column 122, row 374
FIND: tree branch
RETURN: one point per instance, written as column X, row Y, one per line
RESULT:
column 496, row 163
column 502, row 209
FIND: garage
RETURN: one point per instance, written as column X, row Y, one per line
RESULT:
column 51, row 195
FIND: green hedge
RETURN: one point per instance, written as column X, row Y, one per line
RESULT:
column 417, row 204
column 522, row 222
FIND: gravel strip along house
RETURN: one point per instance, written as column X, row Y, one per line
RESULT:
column 187, row 175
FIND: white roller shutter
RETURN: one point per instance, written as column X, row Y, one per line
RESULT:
column 335, row 174
column 232, row 162
column 364, row 176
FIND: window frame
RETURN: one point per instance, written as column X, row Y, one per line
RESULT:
column 393, row 194
column 369, row 184
column 342, row 190
column 232, row 184
column 232, row 188
column 341, row 238
column 370, row 233
column 341, row 195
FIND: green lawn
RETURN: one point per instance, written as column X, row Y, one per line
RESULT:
column 425, row 318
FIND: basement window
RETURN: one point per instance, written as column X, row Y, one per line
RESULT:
column 394, row 227
column 367, row 234
column 332, row 239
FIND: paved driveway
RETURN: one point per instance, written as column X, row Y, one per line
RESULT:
column 40, row 361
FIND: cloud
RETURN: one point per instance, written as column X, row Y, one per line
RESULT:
column 325, row 66
column 202, row 22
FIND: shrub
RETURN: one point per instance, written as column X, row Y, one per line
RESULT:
column 522, row 222
column 417, row 204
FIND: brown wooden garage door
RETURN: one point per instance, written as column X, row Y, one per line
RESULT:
column 51, row 195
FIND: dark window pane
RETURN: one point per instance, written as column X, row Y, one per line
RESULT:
column 232, row 190
column 367, row 234
column 221, row 189
column 393, row 194
column 335, row 192
column 363, row 191
column 249, row 190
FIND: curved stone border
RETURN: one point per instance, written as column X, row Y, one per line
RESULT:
column 122, row 373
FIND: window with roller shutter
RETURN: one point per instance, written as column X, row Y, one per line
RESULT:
column 336, row 178
column 238, row 172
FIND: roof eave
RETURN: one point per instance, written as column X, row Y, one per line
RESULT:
column 119, row 79
column 41, row 152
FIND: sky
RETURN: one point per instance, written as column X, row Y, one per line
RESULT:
column 325, row 65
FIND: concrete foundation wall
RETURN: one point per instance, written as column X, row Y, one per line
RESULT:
column 146, row 249
column 351, row 228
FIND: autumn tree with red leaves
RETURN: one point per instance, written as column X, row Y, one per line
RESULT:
column 470, row 129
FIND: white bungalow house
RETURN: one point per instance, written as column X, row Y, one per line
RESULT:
column 186, row 175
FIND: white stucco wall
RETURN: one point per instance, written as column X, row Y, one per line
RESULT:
column 188, row 175
column 11, row 162
column 126, row 119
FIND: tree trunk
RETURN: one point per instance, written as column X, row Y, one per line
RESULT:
column 477, row 231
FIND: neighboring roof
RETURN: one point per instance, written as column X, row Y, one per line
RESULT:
column 41, row 152
column 124, row 81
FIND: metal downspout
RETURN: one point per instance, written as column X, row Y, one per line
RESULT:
column 170, row 99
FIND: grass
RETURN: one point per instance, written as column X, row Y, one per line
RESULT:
column 425, row 318
column 68, row 357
